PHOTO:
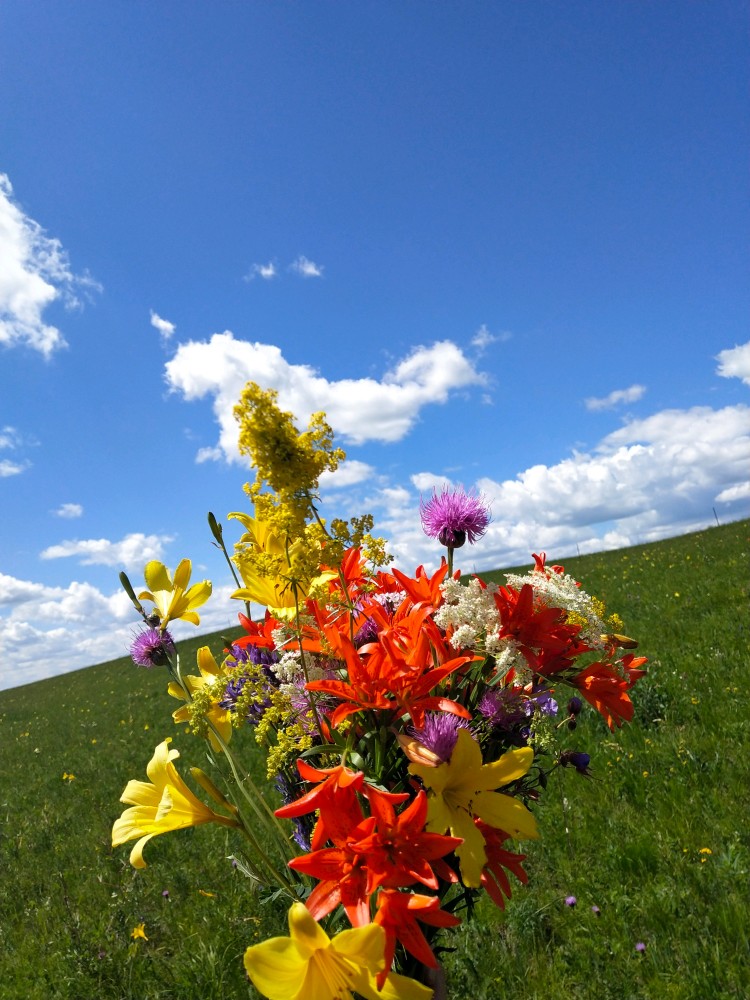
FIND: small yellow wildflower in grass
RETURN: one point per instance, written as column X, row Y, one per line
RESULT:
column 139, row 931
column 68, row 777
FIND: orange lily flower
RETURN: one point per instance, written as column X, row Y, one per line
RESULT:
column 395, row 674
column 335, row 796
column 494, row 879
column 607, row 692
column 398, row 913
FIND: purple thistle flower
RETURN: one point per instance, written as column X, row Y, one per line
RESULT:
column 152, row 648
column 570, row 901
column 640, row 947
column 596, row 911
column 454, row 516
column 440, row 733
column 504, row 707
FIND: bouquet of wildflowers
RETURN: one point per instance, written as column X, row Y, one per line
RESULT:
column 408, row 721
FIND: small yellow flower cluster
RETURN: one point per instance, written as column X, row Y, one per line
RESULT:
column 286, row 542
column 292, row 736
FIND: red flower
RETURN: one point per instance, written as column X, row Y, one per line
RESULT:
column 334, row 796
column 399, row 850
column 607, row 692
column 395, row 674
column 398, row 913
column 344, row 877
column 493, row 878
column 534, row 628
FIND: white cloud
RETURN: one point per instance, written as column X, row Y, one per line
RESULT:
column 8, row 468
column 651, row 479
column 69, row 510
column 359, row 410
column 35, row 272
column 349, row 473
column 46, row 630
column 9, row 438
column 483, row 338
column 616, row 398
column 265, row 271
column 733, row 493
column 306, row 268
column 165, row 328
column 425, row 482
column 131, row 551
column 735, row 363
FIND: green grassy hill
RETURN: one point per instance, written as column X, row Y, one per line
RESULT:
column 658, row 841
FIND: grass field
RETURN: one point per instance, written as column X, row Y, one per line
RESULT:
column 658, row 840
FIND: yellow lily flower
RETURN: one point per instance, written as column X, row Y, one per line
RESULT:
column 311, row 966
column 173, row 598
column 164, row 804
column 213, row 682
column 461, row 790
column 272, row 592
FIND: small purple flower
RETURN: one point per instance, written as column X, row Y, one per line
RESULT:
column 577, row 759
column 165, row 893
column 640, row 947
column 504, row 707
column 152, row 648
column 570, row 901
column 440, row 733
column 545, row 703
column 596, row 911
column 454, row 516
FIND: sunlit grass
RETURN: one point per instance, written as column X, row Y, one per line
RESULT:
column 658, row 840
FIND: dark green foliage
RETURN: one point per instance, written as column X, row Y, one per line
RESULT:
column 628, row 840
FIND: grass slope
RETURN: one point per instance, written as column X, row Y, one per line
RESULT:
column 658, row 840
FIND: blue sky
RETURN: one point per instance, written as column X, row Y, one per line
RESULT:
column 502, row 245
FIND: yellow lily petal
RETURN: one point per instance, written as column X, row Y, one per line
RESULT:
column 510, row 767
column 507, row 814
column 165, row 804
column 172, row 598
column 311, row 966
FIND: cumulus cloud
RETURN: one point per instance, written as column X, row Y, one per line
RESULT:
column 46, row 630
column 735, row 363
column 10, row 468
column 349, row 473
column 69, row 510
column 651, row 479
column 616, row 398
column 35, row 273
column 265, row 271
column 306, row 268
column 130, row 552
column 359, row 410
column 165, row 328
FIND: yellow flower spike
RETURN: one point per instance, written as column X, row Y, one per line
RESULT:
column 462, row 790
column 173, row 598
column 210, row 690
column 309, row 965
column 164, row 803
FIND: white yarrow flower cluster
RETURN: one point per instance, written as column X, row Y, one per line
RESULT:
column 470, row 610
column 560, row 590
